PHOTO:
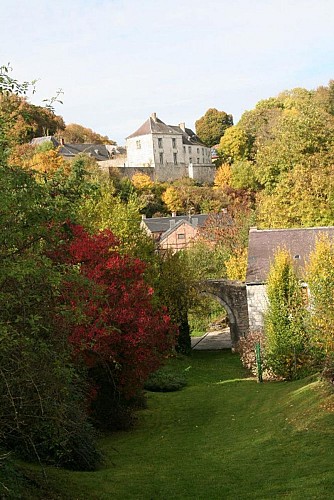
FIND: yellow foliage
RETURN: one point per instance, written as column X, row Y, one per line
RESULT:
column 47, row 162
column 172, row 199
column 223, row 176
column 236, row 265
column 320, row 278
column 142, row 181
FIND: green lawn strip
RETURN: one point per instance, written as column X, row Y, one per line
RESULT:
column 223, row 436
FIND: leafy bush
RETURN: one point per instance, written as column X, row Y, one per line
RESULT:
column 288, row 349
column 165, row 381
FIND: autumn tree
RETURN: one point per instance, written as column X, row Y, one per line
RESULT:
column 223, row 176
column 320, row 279
column 212, row 126
column 27, row 120
column 142, row 181
column 118, row 331
column 302, row 198
column 172, row 199
column 77, row 134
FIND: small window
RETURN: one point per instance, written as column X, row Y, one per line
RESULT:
column 190, row 160
column 138, row 144
column 203, row 151
column 197, row 160
column 198, row 151
column 189, row 149
column 160, row 142
column 184, row 149
column 181, row 236
column 174, row 143
column 161, row 158
column 175, row 158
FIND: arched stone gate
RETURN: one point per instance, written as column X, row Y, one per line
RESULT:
column 232, row 295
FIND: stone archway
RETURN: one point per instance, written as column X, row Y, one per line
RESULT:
column 232, row 296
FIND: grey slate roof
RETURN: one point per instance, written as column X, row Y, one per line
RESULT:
column 157, row 126
column 263, row 245
column 47, row 138
column 164, row 224
column 98, row 151
column 153, row 127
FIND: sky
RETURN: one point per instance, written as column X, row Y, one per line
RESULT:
column 118, row 61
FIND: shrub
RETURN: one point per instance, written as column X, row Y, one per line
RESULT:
column 165, row 381
column 288, row 350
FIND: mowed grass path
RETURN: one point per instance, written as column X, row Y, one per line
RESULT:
column 224, row 436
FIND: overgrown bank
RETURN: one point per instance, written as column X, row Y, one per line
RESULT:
column 223, row 436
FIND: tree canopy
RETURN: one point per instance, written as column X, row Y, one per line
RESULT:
column 77, row 134
column 211, row 127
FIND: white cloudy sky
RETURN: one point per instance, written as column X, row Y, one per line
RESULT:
column 120, row 60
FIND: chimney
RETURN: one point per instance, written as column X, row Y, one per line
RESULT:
column 154, row 117
column 173, row 214
column 182, row 126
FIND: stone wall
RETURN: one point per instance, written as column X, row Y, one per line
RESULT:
column 170, row 172
column 233, row 297
column 257, row 305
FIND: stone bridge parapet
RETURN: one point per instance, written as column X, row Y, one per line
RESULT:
column 233, row 297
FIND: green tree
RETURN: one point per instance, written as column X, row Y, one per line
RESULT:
column 211, row 127
column 234, row 145
column 42, row 411
column 177, row 291
column 243, row 175
column 287, row 343
column 106, row 210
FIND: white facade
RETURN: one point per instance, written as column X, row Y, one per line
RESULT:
column 174, row 151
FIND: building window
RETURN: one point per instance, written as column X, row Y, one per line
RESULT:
column 190, row 160
column 174, row 143
column 203, row 151
column 175, row 158
column 181, row 236
column 161, row 157
column 198, row 151
column 189, row 149
column 184, row 149
column 160, row 142
column 197, row 160
column 138, row 144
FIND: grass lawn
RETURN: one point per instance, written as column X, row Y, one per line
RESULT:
column 224, row 436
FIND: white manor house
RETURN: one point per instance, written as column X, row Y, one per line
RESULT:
column 167, row 152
